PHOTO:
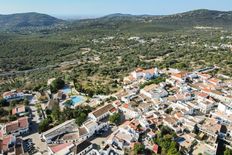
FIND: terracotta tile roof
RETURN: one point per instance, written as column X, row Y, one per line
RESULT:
column 11, row 94
column 155, row 148
column 117, row 103
column 214, row 80
column 21, row 123
column 135, row 125
column 102, row 110
column 170, row 120
column 70, row 136
column 211, row 125
column 113, row 110
column 179, row 75
column 206, row 90
column 139, row 69
column 202, row 94
column 6, row 141
column 128, row 79
column 125, row 105
column 20, row 109
column 12, row 126
column 178, row 115
column 60, row 147
column 149, row 71
column 7, row 94
column 206, row 76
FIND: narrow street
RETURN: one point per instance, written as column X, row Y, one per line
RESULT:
column 34, row 135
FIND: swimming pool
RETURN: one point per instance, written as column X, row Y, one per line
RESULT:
column 77, row 100
column 74, row 101
column 66, row 90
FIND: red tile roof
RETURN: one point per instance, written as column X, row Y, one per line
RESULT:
column 21, row 123
column 20, row 109
column 155, row 148
column 206, row 76
column 202, row 94
column 125, row 105
column 179, row 75
column 150, row 71
column 60, row 147
column 139, row 69
column 113, row 110
column 6, row 141
column 214, row 80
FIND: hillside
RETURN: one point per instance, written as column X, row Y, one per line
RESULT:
column 182, row 20
column 107, row 48
column 123, row 21
column 22, row 20
column 198, row 17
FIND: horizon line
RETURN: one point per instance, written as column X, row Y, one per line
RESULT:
column 86, row 16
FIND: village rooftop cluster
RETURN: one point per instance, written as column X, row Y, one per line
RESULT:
column 193, row 109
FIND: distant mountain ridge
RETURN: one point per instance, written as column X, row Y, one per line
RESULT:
column 200, row 17
column 31, row 19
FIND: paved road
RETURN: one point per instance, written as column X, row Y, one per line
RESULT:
column 34, row 135
column 58, row 65
column 12, row 73
column 97, row 140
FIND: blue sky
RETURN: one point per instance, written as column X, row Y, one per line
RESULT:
column 104, row 7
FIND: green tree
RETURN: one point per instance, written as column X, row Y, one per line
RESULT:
column 3, row 112
column 81, row 118
column 12, row 117
column 26, row 102
column 3, row 102
column 44, row 125
column 13, row 103
column 55, row 113
column 228, row 151
column 115, row 118
column 56, row 85
column 173, row 149
column 138, row 148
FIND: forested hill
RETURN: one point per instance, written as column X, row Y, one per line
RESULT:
column 121, row 21
column 187, row 19
column 199, row 18
column 22, row 20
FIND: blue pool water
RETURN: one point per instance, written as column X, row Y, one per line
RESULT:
column 77, row 99
column 66, row 90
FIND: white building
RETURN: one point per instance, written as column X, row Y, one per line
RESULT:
column 18, row 127
column 225, row 108
column 153, row 91
column 102, row 112
column 140, row 73
column 206, row 105
column 82, row 148
column 92, row 126
column 128, row 111
column 13, row 95
column 67, row 126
